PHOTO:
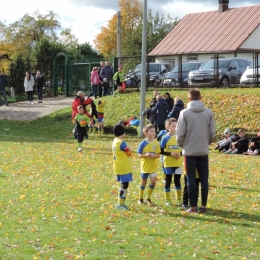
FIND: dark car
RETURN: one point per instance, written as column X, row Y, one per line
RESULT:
column 172, row 79
column 229, row 72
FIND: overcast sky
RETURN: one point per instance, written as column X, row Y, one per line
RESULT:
column 86, row 17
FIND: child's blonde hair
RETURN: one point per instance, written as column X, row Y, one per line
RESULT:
column 169, row 121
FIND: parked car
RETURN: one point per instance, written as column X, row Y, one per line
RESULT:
column 154, row 68
column 230, row 72
column 172, row 78
column 249, row 77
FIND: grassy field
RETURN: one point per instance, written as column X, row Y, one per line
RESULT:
column 57, row 203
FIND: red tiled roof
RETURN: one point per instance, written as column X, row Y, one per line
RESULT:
column 210, row 32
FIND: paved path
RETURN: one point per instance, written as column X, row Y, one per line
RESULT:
column 23, row 111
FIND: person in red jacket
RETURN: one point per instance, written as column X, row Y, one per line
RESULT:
column 80, row 100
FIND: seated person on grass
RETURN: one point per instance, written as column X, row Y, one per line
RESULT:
column 254, row 148
column 223, row 144
column 239, row 146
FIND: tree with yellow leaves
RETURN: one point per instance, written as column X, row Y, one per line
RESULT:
column 106, row 41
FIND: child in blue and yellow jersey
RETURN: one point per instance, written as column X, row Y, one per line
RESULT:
column 160, row 135
column 172, row 162
column 149, row 152
column 101, row 115
column 81, row 120
column 122, row 164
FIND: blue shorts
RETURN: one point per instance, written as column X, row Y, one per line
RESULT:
column 125, row 177
column 170, row 170
column 146, row 175
column 101, row 119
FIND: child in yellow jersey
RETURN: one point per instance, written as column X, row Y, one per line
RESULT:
column 149, row 152
column 172, row 162
column 81, row 120
column 122, row 165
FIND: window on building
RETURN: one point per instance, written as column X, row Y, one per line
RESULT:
column 192, row 58
column 171, row 61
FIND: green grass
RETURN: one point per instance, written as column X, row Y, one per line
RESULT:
column 57, row 203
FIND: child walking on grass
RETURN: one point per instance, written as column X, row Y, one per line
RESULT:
column 149, row 152
column 81, row 120
column 122, row 164
column 172, row 162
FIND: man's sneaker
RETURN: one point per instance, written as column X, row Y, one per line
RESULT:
column 234, row 152
column 79, row 149
column 31, row 103
column 185, row 206
column 149, row 202
column 256, row 152
column 168, row 203
column 141, row 201
column 203, row 210
column 122, row 207
column 192, row 210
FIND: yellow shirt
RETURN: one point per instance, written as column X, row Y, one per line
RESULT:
column 121, row 161
column 169, row 144
column 149, row 165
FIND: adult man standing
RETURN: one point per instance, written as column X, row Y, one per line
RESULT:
column 195, row 130
column 3, row 84
column 102, row 64
column 39, row 81
column 107, row 72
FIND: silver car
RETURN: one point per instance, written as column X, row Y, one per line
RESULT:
column 229, row 72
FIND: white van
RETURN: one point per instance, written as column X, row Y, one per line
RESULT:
column 249, row 77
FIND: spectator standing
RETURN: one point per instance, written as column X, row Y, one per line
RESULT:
column 177, row 108
column 28, row 86
column 169, row 99
column 118, row 79
column 94, row 78
column 3, row 84
column 195, row 130
column 102, row 64
column 154, row 100
column 107, row 72
column 161, row 111
column 39, row 81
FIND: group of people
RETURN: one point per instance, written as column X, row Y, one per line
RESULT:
column 85, row 121
column 163, row 107
column 29, row 83
column 185, row 143
column 239, row 143
column 102, row 78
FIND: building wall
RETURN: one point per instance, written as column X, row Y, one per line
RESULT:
column 253, row 41
column 202, row 57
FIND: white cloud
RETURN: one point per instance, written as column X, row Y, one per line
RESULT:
column 86, row 20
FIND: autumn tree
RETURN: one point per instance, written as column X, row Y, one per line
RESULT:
column 106, row 41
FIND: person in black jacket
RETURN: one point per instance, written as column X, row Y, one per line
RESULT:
column 241, row 145
column 177, row 108
column 3, row 84
column 254, row 148
column 168, row 99
column 39, row 82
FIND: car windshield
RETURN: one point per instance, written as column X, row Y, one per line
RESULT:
column 187, row 67
column 222, row 64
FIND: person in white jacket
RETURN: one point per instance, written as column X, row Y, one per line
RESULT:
column 28, row 86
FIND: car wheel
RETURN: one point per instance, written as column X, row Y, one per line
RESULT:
column 224, row 82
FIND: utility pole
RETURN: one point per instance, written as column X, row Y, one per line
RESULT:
column 119, row 51
column 143, row 77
